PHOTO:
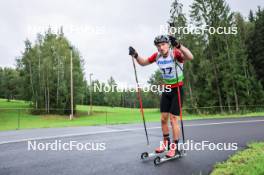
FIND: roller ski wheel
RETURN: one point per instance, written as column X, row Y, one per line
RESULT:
column 146, row 155
column 158, row 160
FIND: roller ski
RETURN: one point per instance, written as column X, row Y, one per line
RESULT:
column 164, row 148
column 171, row 155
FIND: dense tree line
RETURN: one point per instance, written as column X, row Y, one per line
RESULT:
column 44, row 69
column 255, row 42
column 10, row 84
column 227, row 70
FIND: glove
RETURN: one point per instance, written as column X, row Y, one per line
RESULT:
column 174, row 42
column 171, row 24
column 133, row 52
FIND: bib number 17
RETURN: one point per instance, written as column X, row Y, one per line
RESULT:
column 166, row 70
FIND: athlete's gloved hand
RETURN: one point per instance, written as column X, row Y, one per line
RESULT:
column 171, row 24
column 133, row 52
column 174, row 42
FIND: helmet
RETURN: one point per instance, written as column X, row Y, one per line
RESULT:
column 161, row 39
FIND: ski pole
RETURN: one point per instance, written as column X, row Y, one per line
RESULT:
column 179, row 101
column 171, row 24
column 140, row 101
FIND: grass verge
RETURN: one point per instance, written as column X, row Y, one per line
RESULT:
column 246, row 162
column 15, row 114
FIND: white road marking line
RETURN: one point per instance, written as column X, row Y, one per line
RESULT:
column 220, row 123
column 123, row 130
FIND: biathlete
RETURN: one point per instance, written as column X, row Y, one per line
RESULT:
column 170, row 104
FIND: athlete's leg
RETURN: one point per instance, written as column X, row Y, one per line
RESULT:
column 164, row 123
column 165, row 103
column 175, row 127
column 174, row 115
column 176, row 135
column 165, row 132
column 175, row 112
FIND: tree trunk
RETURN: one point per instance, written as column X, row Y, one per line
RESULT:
column 58, row 84
column 228, row 103
column 218, row 88
column 233, row 81
column 31, row 83
column 48, row 96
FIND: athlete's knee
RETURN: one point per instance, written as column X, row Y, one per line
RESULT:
column 173, row 120
column 164, row 118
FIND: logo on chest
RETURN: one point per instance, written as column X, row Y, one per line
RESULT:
column 162, row 62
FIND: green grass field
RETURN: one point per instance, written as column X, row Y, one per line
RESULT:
column 16, row 114
column 247, row 162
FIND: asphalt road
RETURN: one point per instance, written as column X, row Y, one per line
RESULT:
column 123, row 145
